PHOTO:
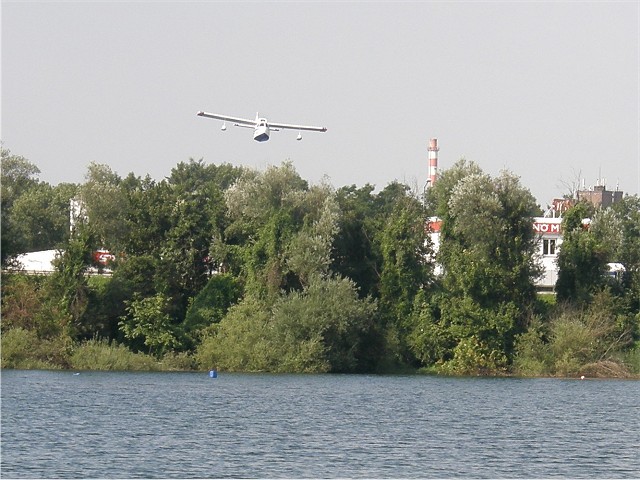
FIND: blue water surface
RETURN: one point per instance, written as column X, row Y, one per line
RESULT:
column 187, row 425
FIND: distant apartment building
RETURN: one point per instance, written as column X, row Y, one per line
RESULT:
column 599, row 196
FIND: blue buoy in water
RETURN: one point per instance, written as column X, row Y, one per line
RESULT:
column 213, row 373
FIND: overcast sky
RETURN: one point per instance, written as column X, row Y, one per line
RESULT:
column 548, row 91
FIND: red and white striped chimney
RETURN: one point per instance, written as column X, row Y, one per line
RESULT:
column 433, row 160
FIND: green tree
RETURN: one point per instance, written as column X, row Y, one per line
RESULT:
column 617, row 229
column 106, row 303
column 280, row 241
column 257, row 196
column 280, row 230
column 487, row 251
column 582, row 259
column 406, row 271
column 438, row 196
column 69, row 280
column 171, row 227
column 197, row 219
column 356, row 249
column 487, row 245
column 104, row 205
column 148, row 320
column 148, row 217
column 241, row 341
column 309, row 252
column 18, row 176
column 628, row 251
column 39, row 218
column 364, row 216
column 405, row 250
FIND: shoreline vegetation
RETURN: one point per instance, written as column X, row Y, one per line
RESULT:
column 242, row 270
column 99, row 355
column 570, row 354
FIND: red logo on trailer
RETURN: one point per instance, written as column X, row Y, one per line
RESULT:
column 103, row 257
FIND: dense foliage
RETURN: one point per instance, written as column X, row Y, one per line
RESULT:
column 224, row 267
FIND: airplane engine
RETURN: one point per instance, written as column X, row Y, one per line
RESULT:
column 261, row 133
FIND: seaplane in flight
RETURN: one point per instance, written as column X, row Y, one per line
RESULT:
column 261, row 127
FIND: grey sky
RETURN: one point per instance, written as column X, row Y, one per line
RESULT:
column 545, row 90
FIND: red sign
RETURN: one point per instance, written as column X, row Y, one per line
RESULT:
column 541, row 227
column 434, row 226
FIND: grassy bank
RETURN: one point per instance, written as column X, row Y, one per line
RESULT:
column 21, row 349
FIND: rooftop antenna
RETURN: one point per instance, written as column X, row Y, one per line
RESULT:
column 599, row 175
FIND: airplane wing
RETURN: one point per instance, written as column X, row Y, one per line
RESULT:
column 241, row 121
column 297, row 127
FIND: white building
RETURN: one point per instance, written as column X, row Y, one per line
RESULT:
column 549, row 232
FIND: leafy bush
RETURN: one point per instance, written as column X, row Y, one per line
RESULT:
column 317, row 330
column 239, row 341
column 23, row 349
column 594, row 341
column 474, row 357
column 532, row 354
column 179, row 361
column 17, row 347
column 326, row 317
column 27, row 303
column 100, row 354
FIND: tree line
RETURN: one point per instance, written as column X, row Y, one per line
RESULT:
column 218, row 266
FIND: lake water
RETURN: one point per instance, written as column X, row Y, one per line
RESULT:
column 186, row 425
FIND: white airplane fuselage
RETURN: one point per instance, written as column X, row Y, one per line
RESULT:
column 261, row 133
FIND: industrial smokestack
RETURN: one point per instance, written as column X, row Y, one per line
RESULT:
column 433, row 161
